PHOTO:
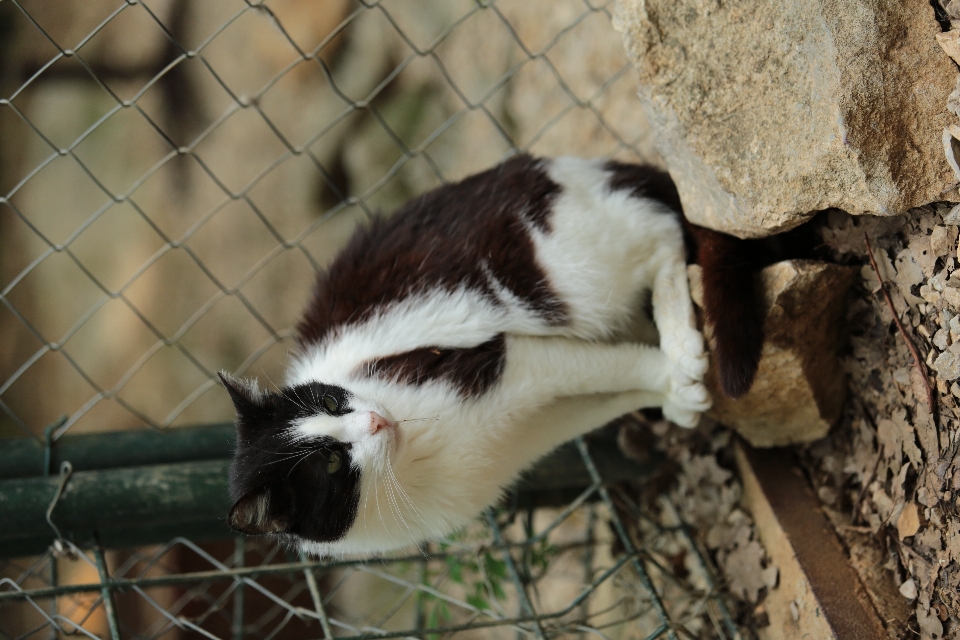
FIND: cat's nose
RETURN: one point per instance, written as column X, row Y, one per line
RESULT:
column 378, row 422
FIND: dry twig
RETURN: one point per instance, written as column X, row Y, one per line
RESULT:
column 858, row 504
column 917, row 362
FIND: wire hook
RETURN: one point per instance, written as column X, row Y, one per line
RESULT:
column 60, row 546
column 48, row 443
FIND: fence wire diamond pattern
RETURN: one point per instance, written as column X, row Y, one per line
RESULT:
column 579, row 570
column 173, row 173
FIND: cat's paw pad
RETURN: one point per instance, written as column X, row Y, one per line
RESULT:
column 685, row 350
column 693, row 396
column 686, row 400
column 681, row 417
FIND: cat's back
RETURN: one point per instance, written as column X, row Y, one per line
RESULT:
column 470, row 236
column 516, row 237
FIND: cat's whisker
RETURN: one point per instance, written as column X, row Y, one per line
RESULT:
column 403, row 492
column 302, row 458
column 396, row 491
column 290, row 457
column 269, row 379
column 396, row 506
column 279, row 453
column 280, row 391
column 287, row 455
column 376, row 496
column 418, row 419
column 406, row 498
column 380, row 512
column 301, row 403
column 394, row 512
column 366, row 502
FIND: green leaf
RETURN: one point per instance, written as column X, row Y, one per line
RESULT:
column 542, row 554
column 439, row 615
column 495, row 568
column 478, row 601
column 456, row 570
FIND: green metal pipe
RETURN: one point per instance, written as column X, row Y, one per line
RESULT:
column 134, row 505
column 152, row 503
column 24, row 457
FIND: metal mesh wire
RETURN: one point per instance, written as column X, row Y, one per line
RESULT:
column 173, row 173
column 139, row 224
column 600, row 569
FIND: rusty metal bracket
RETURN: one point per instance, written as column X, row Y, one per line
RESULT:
column 819, row 594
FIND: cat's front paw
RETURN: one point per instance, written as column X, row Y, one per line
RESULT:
column 686, row 400
column 681, row 417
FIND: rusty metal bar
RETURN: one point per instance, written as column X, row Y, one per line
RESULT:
column 796, row 533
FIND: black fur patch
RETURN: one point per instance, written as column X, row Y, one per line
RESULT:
column 643, row 181
column 471, row 371
column 302, row 497
column 731, row 306
column 443, row 239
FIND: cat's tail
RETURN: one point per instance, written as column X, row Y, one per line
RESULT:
column 731, row 306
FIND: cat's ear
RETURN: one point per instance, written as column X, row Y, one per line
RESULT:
column 246, row 394
column 252, row 515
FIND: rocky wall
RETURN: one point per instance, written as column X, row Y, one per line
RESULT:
column 766, row 112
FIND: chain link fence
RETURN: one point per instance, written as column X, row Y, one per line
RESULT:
column 172, row 175
column 598, row 567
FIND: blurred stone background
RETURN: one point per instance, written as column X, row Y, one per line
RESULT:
column 173, row 173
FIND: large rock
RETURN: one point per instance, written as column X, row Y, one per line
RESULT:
column 800, row 386
column 766, row 112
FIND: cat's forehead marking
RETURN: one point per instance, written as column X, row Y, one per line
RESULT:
column 322, row 425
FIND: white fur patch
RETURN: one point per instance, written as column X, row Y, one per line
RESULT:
column 462, row 318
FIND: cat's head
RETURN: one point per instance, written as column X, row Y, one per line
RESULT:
column 301, row 458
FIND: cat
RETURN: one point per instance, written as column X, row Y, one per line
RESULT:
column 452, row 344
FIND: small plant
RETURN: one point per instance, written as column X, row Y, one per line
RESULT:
column 482, row 576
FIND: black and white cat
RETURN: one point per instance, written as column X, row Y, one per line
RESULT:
column 454, row 343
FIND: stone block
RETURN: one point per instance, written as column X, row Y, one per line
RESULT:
column 800, row 386
column 766, row 112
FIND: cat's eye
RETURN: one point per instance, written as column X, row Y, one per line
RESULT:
column 330, row 404
column 333, row 462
